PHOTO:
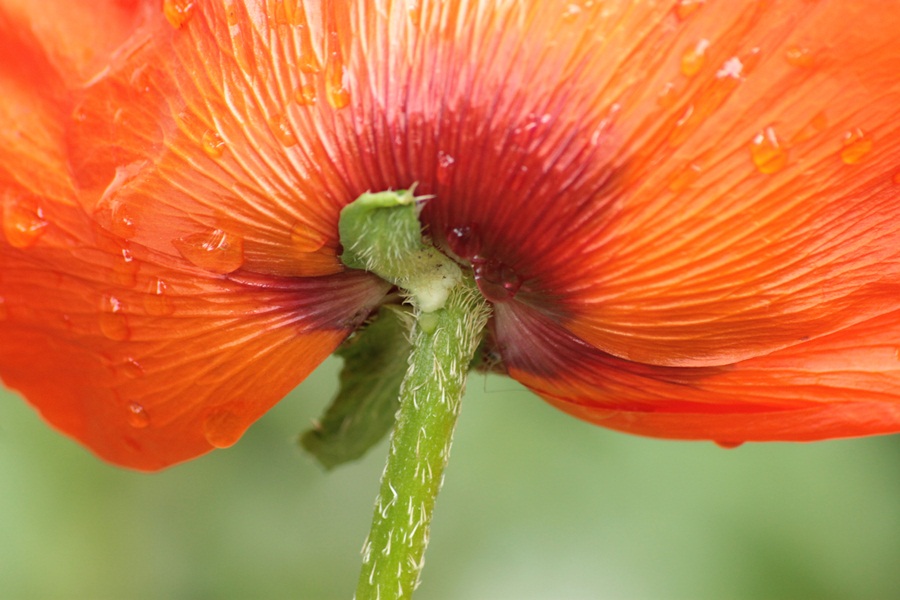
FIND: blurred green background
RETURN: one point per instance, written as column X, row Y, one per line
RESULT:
column 536, row 505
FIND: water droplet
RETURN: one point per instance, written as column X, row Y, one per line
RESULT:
column 337, row 93
column 215, row 251
column 727, row 444
column 815, row 126
column 768, row 154
column 497, row 281
column 685, row 8
column 178, row 12
column 305, row 239
column 572, row 12
column 213, row 144
column 113, row 322
column 668, row 96
column 125, row 268
column 464, row 241
column 857, row 144
column 110, row 209
column 138, row 417
column 684, row 178
column 132, row 368
column 445, row 166
column 223, row 428
column 693, row 58
column 798, row 56
column 305, row 95
column 23, row 222
column 281, row 128
column 157, row 302
column 733, row 67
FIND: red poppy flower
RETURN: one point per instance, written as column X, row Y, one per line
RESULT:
column 686, row 214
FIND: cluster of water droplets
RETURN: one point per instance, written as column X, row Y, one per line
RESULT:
column 497, row 281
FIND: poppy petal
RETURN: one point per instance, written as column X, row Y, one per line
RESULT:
column 143, row 356
column 76, row 38
column 200, row 125
column 675, row 187
column 840, row 385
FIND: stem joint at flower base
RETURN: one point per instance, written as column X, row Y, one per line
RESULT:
column 381, row 233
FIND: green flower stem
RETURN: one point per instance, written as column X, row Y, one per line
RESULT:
column 381, row 233
column 444, row 342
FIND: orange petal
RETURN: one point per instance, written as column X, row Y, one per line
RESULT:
column 674, row 188
column 77, row 37
column 207, row 122
column 141, row 355
column 840, row 385
column 145, row 359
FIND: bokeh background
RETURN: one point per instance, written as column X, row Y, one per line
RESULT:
column 536, row 505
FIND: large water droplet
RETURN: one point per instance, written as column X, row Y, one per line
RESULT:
column 857, row 144
column 138, row 417
column 213, row 144
column 157, row 302
column 178, row 12
column 497, row 281
column 768, row 154
column 446, row 164
column 305, row 239
column 685, row 8
column 222, row 429
column 335, row 90
column 215, row 251
column 113, row 322
column 125, row 269
column 281, row 128
column 305, row 95
column 464, row 241
column 693, row 58
column 23, row 222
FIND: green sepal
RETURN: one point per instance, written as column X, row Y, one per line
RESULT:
column 363, row 411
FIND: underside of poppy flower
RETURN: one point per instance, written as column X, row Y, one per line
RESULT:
column 686, row 214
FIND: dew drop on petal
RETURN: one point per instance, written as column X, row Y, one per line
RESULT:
column 305, row 239
column 728, row 444
column 685, row 8
column 446, row 164
column 132, row 368
column 768, row 154
column 23, row 222
column 572, row 12
column 113, row 322
column 799, row 56
column 335, row 90
column 222, row 429
column 464, row 241
column 213, row 144
column 178, row 12
column 138, row 417
column 668, row 96
column 693, row 58
column 281, row 128
column 305, row 95
column 497, row 281
column 684, row 178
column 214, row 251
column 857, row 144
column 125, row 268
column 157, row 301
